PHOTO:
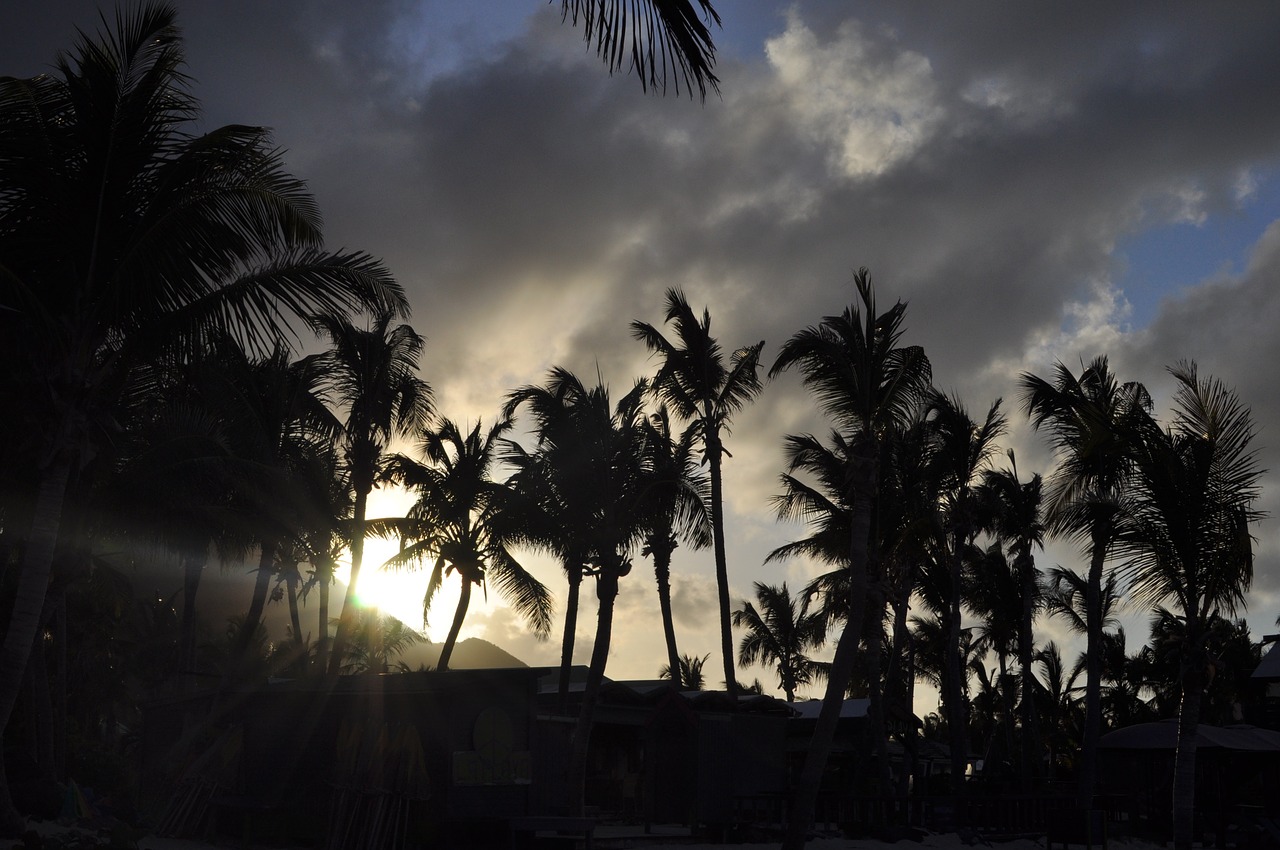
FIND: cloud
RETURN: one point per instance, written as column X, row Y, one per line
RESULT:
column 872, row 105
column 984, row 161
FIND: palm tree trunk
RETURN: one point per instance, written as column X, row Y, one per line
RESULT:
column 1032, row 762
column 1184, row 764
column 298, row 655
column 957, row 721
column 28, row 606
column 1093, row 677
column 60, row 709
column 1006, row 695
column 898, row 680
column 875, row 690
column 41, row 701
column 295, row 616
column 804, row 802
column 193, row 563
column 261, row 586
column 607, row 593
column 911, row 744
column 662, row 573
column 714, row 451
column 573, row 570
column 325, row 581
column 459, row 614
column 347, row 615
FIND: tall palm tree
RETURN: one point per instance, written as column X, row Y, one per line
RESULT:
column 552, row 510
column 324, row 520
column 661, row 37
column 994, row 594
column 780, row 632
column 1186, row 538
column 1058, row 699
column 963, row 450
column 1089, row 420
column 456, row 523
column 372, row 374
column 124, row 237
column 1015, row 517
column 826, row 506
column 695, row 382
column 277, row 423
column 870, row 387
column 675, row 507
column 591, row 475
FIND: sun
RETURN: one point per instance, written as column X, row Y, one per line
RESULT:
column 399, row 592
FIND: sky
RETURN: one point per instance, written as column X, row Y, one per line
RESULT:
column 1040, row 183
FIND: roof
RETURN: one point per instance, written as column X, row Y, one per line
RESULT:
column 652, row 691
column 851, row 708
column 1163, row 735
column 1269, row 668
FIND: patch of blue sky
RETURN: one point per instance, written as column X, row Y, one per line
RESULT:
column 441, row 37
column 1164, row 260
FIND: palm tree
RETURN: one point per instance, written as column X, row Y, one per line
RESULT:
column 963, row 448
column 826, row 507
column 688, row 672
column 552, row 509
column 123, row 238
column 675, row 506
column 994, row 594
column 324, row 518
column 694, row 380
column 870, row 386
column 1067, row 597
column 456, row 523
column 661, row 37
column 1090, row 421
column 277, row 424
column 780, row 632
column 1186, row 538
column 372, row 374
column 1015, row 518
column 1058, row 702
column 170, row 485
column 592, row 478
column 376, row 639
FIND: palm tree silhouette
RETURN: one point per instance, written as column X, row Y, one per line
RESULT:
column 372, row 374
column 780, row 632
column 1089, row 420
column 963, row 448
column 1015, row 517
column 661, row 37
column 695, row 382
column 594, row 460
column 456, row 523
column 688, row 672
column 1185, row 538
column 870, row 387
column 552, row 510
column 675, row 507
column 277, row 424
column 125, row 238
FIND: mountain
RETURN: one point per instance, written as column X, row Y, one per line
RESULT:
column 225, row 593
column 468, row 654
